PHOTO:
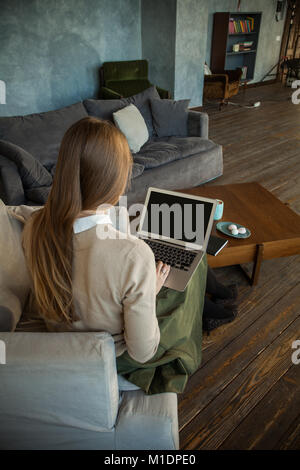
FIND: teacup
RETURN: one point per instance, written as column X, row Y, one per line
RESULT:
column 219, row 210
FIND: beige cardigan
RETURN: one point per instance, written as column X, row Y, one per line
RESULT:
column 114, row 285
column 115, row 291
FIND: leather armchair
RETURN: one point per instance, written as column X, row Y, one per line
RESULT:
column 222, row 85
column 126, row 78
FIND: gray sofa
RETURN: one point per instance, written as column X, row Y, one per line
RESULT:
column 60, row 391
column 29, row 148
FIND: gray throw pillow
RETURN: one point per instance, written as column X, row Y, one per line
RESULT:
column 137, row 170
column 36, row 180
column 170, row 118
column 130, row 121
column 38, row 195
column 104, row 109
column 32, row 172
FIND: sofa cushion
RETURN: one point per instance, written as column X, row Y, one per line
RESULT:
column 188, row 146
column 154, row 154
column 170, row 117
column 161, row 150
column 183, row 173
column 142, row 415
column 130, row 121
column 41, row 134
column 38, row 195
column 104, row 109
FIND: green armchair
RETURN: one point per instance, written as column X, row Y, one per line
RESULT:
column 126, row 78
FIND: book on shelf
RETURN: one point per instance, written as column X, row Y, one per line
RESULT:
column 251, row 20
column 241, row 26
column 242, row 46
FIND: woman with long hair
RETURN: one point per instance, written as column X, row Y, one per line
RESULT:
column 83, row 283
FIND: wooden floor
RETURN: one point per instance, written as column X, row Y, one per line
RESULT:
column 246, row 395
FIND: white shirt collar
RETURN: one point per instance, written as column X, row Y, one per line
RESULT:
column 85, row 223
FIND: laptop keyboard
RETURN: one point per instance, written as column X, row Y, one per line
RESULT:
column 178, row 258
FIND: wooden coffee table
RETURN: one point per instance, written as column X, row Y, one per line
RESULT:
column 275, row 228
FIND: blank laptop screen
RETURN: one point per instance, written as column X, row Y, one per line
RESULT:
column 177, row 217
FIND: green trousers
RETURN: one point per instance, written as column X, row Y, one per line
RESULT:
column 178, row 356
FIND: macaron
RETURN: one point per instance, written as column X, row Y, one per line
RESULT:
column 234, row 231
column 232, row 227
column 242, row 230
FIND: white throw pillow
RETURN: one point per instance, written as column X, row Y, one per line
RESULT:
column 130, row 121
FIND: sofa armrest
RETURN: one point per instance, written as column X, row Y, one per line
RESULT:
column 197, row 124
column 11, row 187
column 147, row 422
column 164, row 94
column 58, row 391
column 109, row 94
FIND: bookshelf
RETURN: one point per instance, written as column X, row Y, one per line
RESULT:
column 225, row 36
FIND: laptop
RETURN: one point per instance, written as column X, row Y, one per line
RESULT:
column 177, row 228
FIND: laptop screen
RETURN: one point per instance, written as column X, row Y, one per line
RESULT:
column 176, row 217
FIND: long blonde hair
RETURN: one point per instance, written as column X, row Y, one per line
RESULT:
column 94, row 165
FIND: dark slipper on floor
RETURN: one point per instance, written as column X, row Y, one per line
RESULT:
column 234, row 294
column 210, row 324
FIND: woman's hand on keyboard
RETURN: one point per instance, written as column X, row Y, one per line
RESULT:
column 162, row 272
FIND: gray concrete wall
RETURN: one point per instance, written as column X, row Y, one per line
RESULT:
column 51, row 50
column 158, row 27
column 191, row 33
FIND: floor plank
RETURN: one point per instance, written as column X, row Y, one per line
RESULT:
column 270, row 421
